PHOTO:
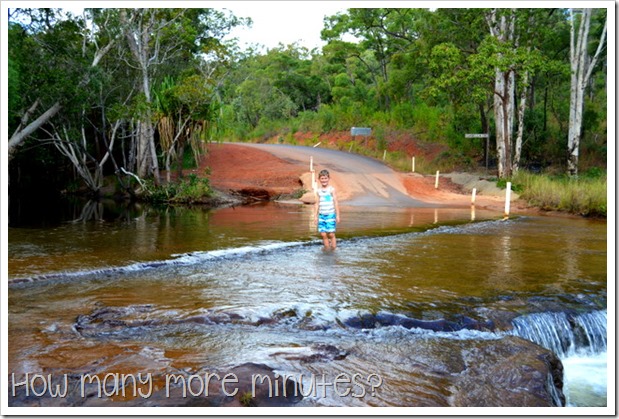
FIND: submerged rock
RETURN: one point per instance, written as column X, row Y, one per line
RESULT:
column 473, row 368
column 372, row 321
column 509, row 372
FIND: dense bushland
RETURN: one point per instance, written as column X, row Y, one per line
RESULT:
column 106, row 105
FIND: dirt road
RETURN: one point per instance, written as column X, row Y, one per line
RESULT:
column 268, row 170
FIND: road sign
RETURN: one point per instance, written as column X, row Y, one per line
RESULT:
column 475, row 135
column 360, row 131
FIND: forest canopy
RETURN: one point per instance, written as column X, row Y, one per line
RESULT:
column 134, row 93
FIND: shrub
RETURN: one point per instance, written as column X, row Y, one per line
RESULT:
column 189, row 190
column 585, row 196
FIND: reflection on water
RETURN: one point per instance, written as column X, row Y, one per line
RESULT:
column 118, row 238
column 194, row 287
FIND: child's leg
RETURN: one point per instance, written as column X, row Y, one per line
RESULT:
column 325, row 239
column 333, row 240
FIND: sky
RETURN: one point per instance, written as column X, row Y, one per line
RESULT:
column 274, row 22
column 285, row 22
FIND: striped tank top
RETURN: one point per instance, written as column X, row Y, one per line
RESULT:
column 326, row 205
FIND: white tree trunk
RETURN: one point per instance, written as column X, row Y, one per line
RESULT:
column 504, row 84
column 138, row 31
column 500, row 121
column 521, row 108
column 581, row 69
column 80, row 159
column 20, row 135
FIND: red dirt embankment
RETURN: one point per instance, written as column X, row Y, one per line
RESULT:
column 249, row 171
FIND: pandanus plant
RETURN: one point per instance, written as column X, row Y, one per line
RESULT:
column 182, row 111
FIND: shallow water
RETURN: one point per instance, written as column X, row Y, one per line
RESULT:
column 236, row 267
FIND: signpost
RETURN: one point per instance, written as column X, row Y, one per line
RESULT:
column 475, row 135
column 486, row 136
column 360, row 131
column 354, row 131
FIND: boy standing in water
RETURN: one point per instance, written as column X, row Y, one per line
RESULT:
column 327, row 210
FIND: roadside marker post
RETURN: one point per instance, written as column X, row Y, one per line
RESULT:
column 436, row 182
column 508, row 193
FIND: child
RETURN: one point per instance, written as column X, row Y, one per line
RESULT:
column 327, row 210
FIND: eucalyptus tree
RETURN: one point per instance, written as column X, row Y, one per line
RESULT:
column 451, row 40
column 512, row 53
column 143, row 30
column 166, row 38
column 582, row 66
column 291, row 69
column 348, row 75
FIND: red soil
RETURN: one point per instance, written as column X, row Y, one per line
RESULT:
column 249, row 171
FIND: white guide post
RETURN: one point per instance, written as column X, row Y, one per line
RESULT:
column 508, row 193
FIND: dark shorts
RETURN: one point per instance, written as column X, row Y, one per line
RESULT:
column 326, row 223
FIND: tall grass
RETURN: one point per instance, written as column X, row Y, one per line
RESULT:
column 584, row 195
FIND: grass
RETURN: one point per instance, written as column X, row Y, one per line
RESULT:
column 585, row 195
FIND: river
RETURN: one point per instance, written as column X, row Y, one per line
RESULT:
column 266, row 292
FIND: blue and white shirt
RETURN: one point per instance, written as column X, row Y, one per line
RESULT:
column 326, row 203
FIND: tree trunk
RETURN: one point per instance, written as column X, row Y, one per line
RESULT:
column 500, row 121
column 139, row 39
column 20, row 135
column 581, row 73
column 504, row 85
column 521, row 109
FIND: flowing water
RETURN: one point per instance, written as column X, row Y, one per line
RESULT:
column 183, row 289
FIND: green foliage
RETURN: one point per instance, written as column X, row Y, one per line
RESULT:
column 429, row 122
column 189, row 190
column 428, row 72
column 247, row 400
column 585, row 195
column 402, row 115
column 515, row 185
column 328, row 118
column 381, row 140
column 593, row 173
